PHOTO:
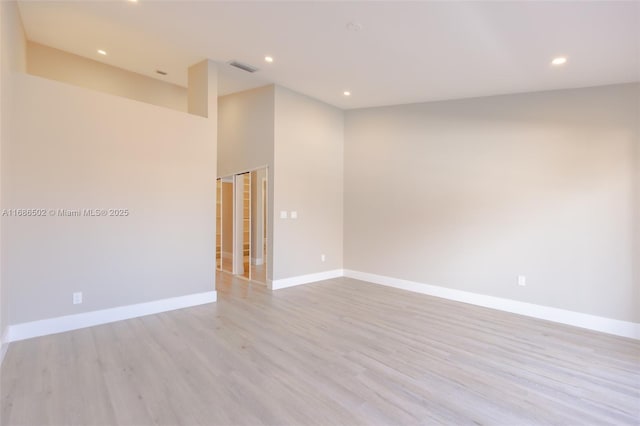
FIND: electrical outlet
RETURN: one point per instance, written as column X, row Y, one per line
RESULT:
column 522, row 280
column 283, row 214
column 323, row 257
column 294, row 215
column 77, row 298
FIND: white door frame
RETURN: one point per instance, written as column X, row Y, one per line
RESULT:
column 238, row 194
column 237, row 264
column 264, row 208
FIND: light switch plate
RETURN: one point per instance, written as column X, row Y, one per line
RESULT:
column 283, row 214
column 294, row 215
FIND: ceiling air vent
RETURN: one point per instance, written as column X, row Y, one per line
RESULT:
column 243, row 67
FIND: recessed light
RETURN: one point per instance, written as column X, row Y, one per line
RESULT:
column 102, row 52
column 561, row 60
column 346, row 93
column 133, row 1
column 268, row 59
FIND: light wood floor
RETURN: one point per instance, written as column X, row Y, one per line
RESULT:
column 336, row 352
column 258, row 272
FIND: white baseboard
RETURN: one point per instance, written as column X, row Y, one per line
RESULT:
column 44, row 327
column 305, row 279
column 577, row 319
column 88, row 319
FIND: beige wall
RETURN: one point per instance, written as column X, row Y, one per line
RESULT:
column 308, row 178
column 636, row 221
column 245, row 130
column 245, row 139
column 158, row 163
column 12, row 61
column 300, row 140
column 3, row 300
column 470, row 194
column 62, row 66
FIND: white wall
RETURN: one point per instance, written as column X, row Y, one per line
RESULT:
column 470, row 194
column 12, row 61
column 74, row 148
column 308, row 178
column 245, row 130
column 62, row 66
column 636, row 211
column 246, row 140
column 300, row 140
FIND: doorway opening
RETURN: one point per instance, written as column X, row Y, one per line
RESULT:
column 241, row 225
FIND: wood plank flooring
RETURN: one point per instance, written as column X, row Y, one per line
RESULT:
column 335, row 352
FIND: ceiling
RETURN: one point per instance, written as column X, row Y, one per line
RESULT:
column 403, row 52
